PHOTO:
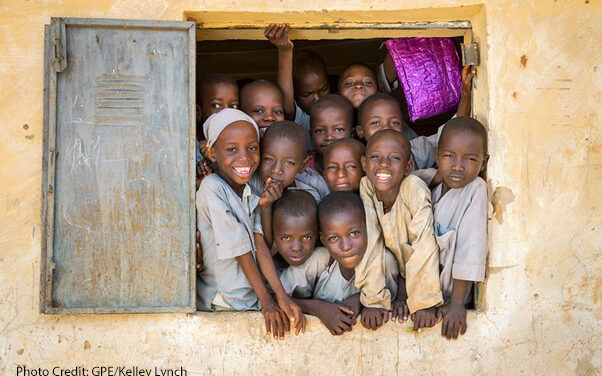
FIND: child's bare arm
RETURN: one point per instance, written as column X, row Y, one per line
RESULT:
column 278, row 35
column 276, row 321
column 271, row 193
column 454, row 312
column 465, row 100
column 266, row 264
column 337, row 318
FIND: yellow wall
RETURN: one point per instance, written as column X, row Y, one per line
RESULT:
column 538, row 90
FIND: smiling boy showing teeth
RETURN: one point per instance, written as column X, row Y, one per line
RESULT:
column 398, row 217
column 232, row 241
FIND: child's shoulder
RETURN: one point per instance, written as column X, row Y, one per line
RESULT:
column 212, row 183
column 413, row 186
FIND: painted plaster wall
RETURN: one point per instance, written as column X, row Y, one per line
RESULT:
column 538, row 91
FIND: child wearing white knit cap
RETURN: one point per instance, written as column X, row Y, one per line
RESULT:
column 231, row 234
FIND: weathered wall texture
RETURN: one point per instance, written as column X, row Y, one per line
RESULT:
column 539, row 90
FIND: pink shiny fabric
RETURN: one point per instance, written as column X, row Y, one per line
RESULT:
column 429, row 73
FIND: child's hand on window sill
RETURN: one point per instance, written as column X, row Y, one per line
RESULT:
column 424, row 318
column 354, row 304
column 468, row 73
column 400, row 309
column 293, row 313
column 278, row 35
column 276, row 321
column 337, row 318
column 374, row 318
column 454, row 320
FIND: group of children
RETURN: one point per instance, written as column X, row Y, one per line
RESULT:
column 330, row 213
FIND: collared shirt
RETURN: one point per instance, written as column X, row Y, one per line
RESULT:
column 226, row 223
column 333, row 287
column 299, row 281
column 461, row 230
column 407, row 231
column 314, row 180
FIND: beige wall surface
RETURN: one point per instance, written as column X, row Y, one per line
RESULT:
column 538, row 89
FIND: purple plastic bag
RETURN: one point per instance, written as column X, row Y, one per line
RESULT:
column 429, row 73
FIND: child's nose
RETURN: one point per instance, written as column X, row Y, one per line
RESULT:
column 345, row 244
column 296, row 246
column 458, row 165
column 341, row 173
column 277, row 168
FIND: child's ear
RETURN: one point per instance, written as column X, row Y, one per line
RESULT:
column 485, row 160
column 321, row 235
column 409, row 167
column 304, row 163
column 360, row 132
column 436, row 153
column 363, row 162
column 211, row 154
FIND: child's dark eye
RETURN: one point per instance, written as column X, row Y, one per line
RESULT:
column 448, row 155
column 351, row 167
column 234, row 105
column 277, row 111
column 306, row 237
column 348, row 84
column 267, row 159
column 231, row 150
column 258, row 111
column 354, row 234
column 304, row 95
column 331, row 168
column 289, row 163
column 332, row 239
column 396, row 123
column 340, row 130
column 375, row 123
column 216, row 105
column 374, row 157
column 368, row 83
column 252, row 148
column 286, row 238
column 319, row 131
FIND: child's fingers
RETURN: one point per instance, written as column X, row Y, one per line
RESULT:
column 267, row 183
column 456, row 330
column 285, row 321
column 463, row 327
column 385, row 316
column 267, row 324
column 345, row 309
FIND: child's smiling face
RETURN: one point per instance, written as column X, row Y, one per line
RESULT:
column 216, row 97
column 295, row 236
column 342, row 167
column 281, row 160
column 382, row 114
column 329, row 124
column 236, row 152
column 387, row 161
column 264, row 104
column 357, row 83
column 309, row 88
column 344, row 234
column 460, row 157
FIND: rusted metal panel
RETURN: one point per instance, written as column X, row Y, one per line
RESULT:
column 118, row 205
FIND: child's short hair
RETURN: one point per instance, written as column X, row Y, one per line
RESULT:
column 330, row 101
column 211, row 79
column 352, row 142
column 375, row 98
column 296, row 203
column 401, row 139
column 307, row 61
column 289, row 130
column 465, row 123
column 257, row 84
column 341, row 201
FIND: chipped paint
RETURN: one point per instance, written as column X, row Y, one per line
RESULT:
column 502, row 196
